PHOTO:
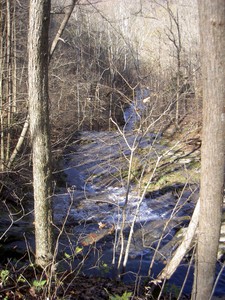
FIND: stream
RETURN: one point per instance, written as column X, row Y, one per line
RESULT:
column 97, row 202
column 96, row 196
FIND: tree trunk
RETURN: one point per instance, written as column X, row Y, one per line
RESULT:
column 212, row 33
column 39, row 127
column 2, row 65
column 9, row 90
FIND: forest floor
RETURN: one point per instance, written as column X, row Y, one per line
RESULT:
column 80, row 288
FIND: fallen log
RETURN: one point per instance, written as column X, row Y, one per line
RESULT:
column 96, row 236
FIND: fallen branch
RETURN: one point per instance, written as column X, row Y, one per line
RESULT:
column 96, row 236
column 19, row 143
column 184, row 247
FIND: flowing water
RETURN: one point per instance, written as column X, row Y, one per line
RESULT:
column 95, row 196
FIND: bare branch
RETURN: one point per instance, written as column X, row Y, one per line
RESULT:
column 19, row 143
column 184, row 247
column 68, row 11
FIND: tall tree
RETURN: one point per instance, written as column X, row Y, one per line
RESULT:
column 2, row 75
column 212, row 33
column 174, row 35
column 7, row 72
column 39, row 16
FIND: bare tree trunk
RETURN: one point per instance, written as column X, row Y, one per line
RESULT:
column 174, row 36
column 9, row 74
column 39, row 127
column 68, row 11
column 2, row 53
column 212, row 32
column 7, row 68
column 14, row 64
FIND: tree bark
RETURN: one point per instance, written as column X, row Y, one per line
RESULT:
column 2, row 66
column 39, row 127
column 212, row 33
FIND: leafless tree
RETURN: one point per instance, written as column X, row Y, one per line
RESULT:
column 212, row 30
column 39, row 17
